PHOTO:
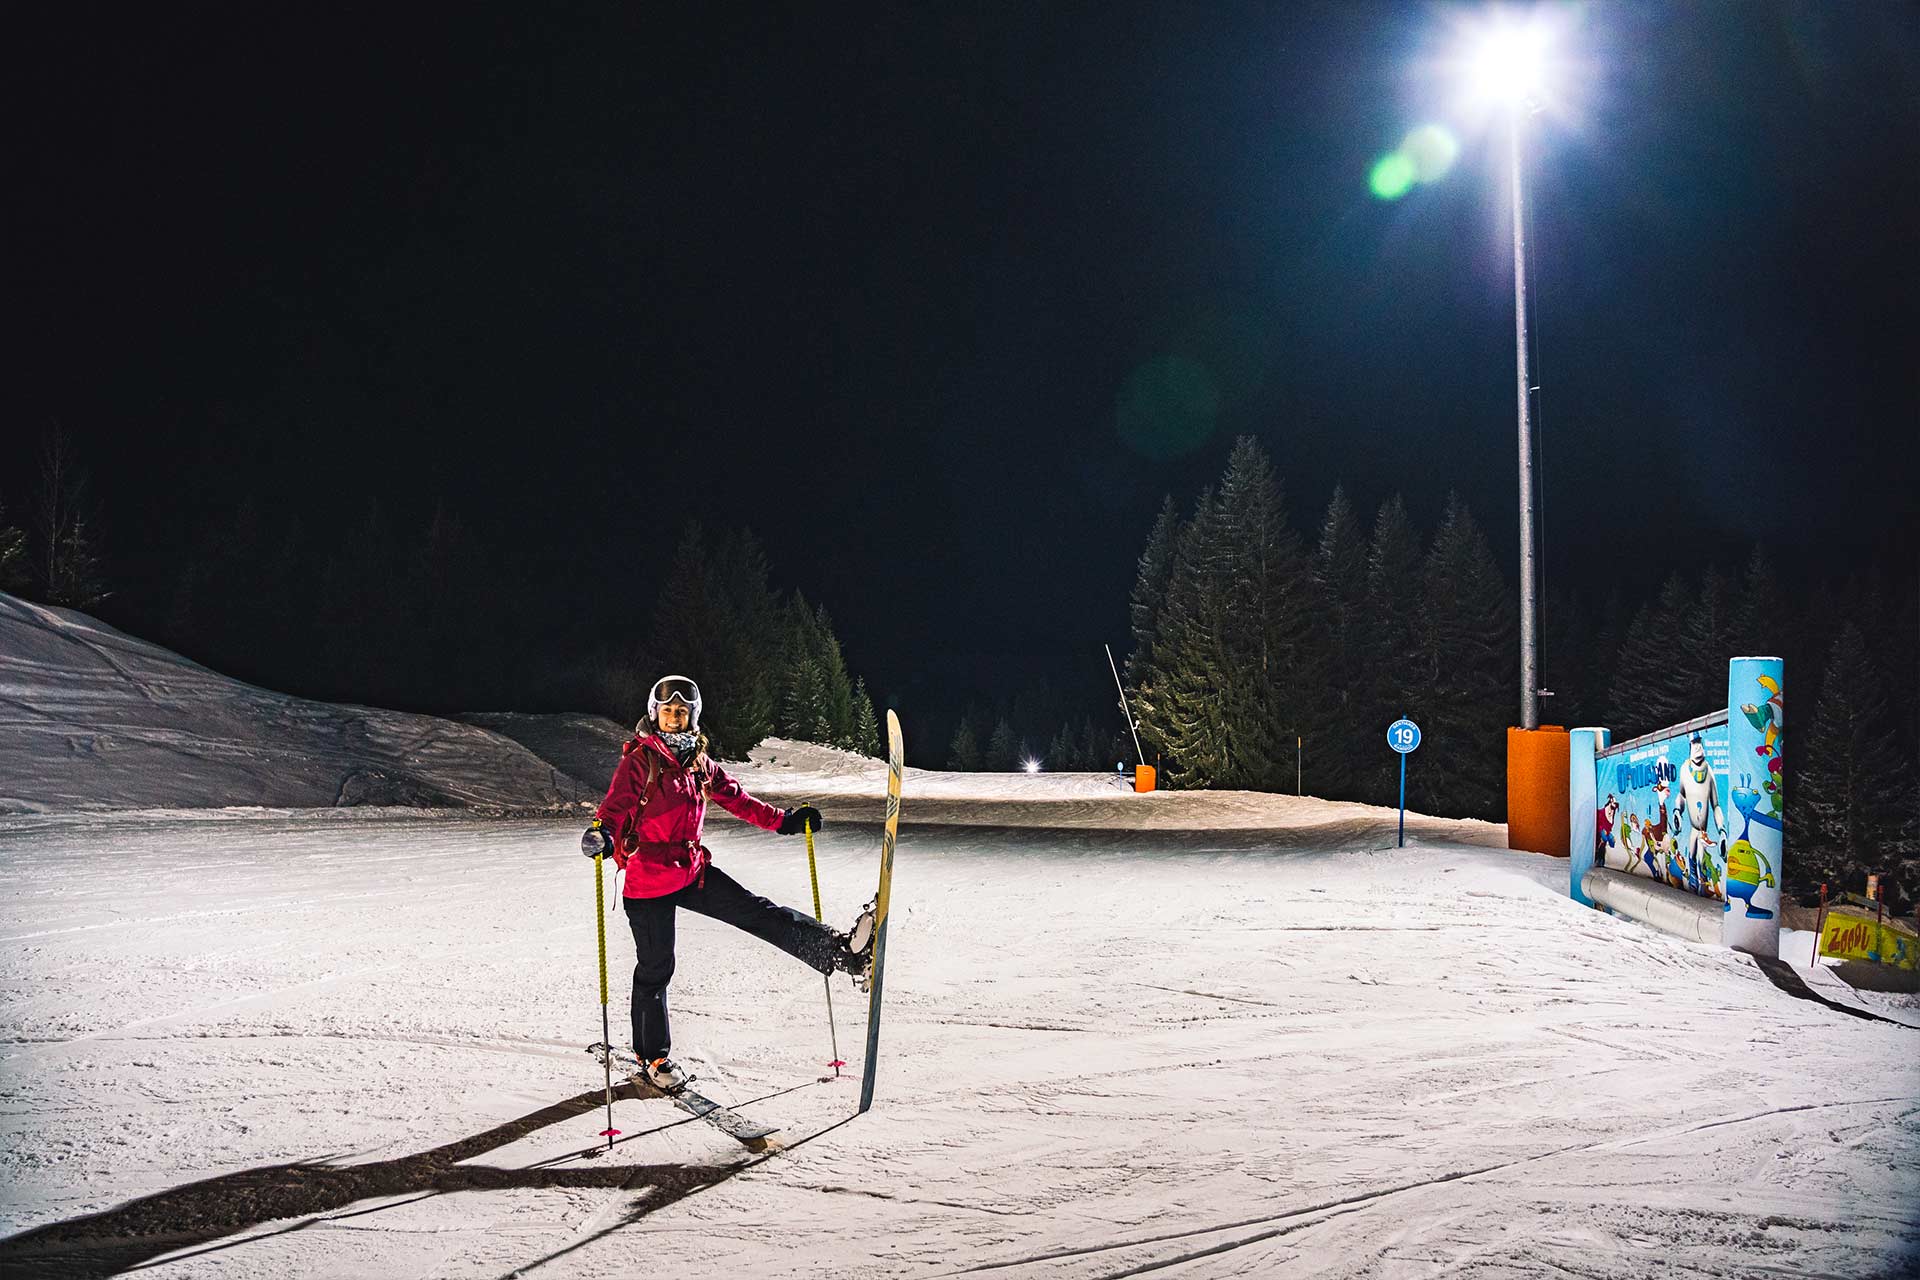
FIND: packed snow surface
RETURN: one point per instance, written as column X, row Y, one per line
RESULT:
column 340, row 1044
column 93, row 719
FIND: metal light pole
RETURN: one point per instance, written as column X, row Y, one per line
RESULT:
column 1529, row 612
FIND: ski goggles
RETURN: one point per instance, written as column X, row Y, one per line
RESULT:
column 675, row 689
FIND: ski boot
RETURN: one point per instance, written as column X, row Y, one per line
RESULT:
column 663, row 1074
column 854, row 954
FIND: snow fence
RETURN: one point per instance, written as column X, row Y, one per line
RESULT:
column 1651, row 837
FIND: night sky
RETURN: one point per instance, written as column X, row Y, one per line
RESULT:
column 874, row 282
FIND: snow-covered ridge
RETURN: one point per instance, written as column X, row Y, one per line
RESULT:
column 94, row 719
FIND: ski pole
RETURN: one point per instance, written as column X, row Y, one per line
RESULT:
column 606, row 1037
column 813, row 873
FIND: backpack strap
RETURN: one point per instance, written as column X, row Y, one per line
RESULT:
column 653, row 776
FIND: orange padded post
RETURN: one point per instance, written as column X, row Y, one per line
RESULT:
column 1143, row 777
column 1537, row 789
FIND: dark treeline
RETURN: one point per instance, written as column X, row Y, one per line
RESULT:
column 57, row 556
column 430, row 617
column 1248, row 637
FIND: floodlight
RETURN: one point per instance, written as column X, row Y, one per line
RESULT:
column 1508, row 62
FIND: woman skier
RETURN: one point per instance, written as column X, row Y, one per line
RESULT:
column 650, row 825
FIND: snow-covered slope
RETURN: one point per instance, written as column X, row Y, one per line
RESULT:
column 91, row 718
column 579, row 745
column 329, row 1045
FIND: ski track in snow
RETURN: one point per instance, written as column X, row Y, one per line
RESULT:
column 1117, row 1055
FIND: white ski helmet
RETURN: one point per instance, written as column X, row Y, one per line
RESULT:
column 679, row 689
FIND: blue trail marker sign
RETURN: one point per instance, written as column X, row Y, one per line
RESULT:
column 1403, row 735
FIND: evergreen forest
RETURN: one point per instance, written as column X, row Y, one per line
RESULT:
column 1263, row 659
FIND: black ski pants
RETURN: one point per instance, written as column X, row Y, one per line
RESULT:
column 718, row 896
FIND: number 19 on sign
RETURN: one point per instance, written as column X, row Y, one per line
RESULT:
column 1403, row 736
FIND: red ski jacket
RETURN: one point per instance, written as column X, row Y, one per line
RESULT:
column 656, row 830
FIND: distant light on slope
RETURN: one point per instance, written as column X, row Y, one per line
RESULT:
column 1030, row 765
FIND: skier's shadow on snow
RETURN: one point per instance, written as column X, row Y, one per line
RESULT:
column 104, row 1244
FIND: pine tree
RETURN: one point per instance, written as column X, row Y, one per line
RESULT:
column 1656, row 683
column 1096, row 748
column 1234, row 671
column 1393, row 605
column 1177, row 701
column 1150, row 586
column 1760, row 622
column 746, row 647
column 1468, row 664
column 963, row 753
column 1339, row 733
column 1609, row 638
column 1851, row 807
column 1886, row 622
column 1902, row 654
column 1063, row 755
column 807, row 643
column 1567, row 661
column 1271, row 681
column 835, row 686
column 68, row 527
column 806, row 717
column 1706, row 642
column 77, row 583
column 13, row 556
column 866, row 725
column 716, row 620
column 1004, row 751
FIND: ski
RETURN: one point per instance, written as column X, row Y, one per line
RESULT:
column 750, row 1134
column 896, row 758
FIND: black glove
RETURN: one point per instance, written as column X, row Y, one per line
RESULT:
column 795, row 820
column 595, row 842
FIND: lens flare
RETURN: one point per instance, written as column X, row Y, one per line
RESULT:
column 1393, row 176
column 1433, row 149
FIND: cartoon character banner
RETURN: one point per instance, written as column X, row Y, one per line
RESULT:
column 1700, row 806
column 1661, row 809
column 1756, row 724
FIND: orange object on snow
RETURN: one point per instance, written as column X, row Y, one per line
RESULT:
column 1537, row 789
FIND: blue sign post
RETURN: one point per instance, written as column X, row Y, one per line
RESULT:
column 1403, row 736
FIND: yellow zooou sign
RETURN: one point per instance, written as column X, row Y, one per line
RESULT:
column 1850, row 937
